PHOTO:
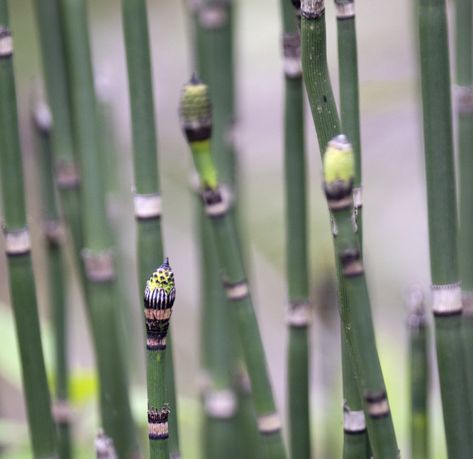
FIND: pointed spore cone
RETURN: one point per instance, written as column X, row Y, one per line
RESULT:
column 160, row 293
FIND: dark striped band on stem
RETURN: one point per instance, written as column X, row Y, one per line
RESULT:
column 67, row 175
column 352, row 264
column 220, row 404
column 464, row 99
column 357, row 197
column 345, row 10
column 217, row 205
column 17, row 243
column 291, row 44
column 158, row 428
column 54, row 232
column 62, row 412
column 236, row 291
column 6, row 43
column 354, row 422
column 378, row 406
column 269, row 424
column 299, row 314
column 147, row 206
column 447, row 299
column 99, row 266
column 312, row 9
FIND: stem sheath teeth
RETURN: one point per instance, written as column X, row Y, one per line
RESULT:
column 312, row 9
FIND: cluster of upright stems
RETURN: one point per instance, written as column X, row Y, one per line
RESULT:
column 240, row 414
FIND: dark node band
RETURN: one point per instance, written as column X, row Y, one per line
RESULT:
column 313, row 12
column 158, row 423
column 338, row 190
column 198, row 134
column 236, row 291
column 351, row 262
column 378, row 406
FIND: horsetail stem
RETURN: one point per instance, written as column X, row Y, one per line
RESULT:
column 195, row 100
column 419, row 374
column 447, row 304
column 54, row 237
column 464, row 105
column 18, row 252
column 296, row 240
column 159, row 296
column 97, row 255
column 339, row 170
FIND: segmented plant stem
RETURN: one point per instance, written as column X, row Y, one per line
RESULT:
column 355, row 443
column 97, row 254
column 54, row 238
column 356, row 311
column 18, row 251
column 299, row 310
column 419, row 375
column 196, row 118
column 464, row 105
column 447, row 305
column 147, row 195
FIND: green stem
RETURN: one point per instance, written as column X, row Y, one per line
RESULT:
column 419, row 376
column 97, row 255
column 54, row 236
column 356, row 310
column 464, row 93
column 196, row 116
column 296, row 242
column 147, row 190
column 447, row 305
column 18, row 251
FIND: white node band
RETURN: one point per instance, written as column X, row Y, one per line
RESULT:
column 354, row 421
column 147, row 206
column 62, row 412
column 237, row 291
column 158, row 430
column 357, row 197
column 343, row 203
column 212, row 16
column 312, row 8
column 269, row 424
column 292, row 67
column 217, row 209
column 17, row 242
column 6, row 43
column 378, row 408
column 345, row 10
column 67, row 175
column 54, row 232
column 99, row 266
column 353, row 268
column 447, row 299
column 299, row 315
column 220, row 404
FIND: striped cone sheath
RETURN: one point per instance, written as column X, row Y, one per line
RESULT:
column 160, row 293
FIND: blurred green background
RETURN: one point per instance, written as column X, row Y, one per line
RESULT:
column 395, row 219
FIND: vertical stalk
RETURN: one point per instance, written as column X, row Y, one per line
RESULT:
column 464, row 107
column 447, row 305
column 18, row 251
column 214, row 60
column 159, row 296
column 196, row 121
column 51, row 35
column 419, row 375
column 299, row 311
column 147, row 196
column 54, row 237
column 356, row 311
column 97, row 254
column 355, row 442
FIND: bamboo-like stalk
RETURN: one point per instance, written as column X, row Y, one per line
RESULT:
column 97, row 254
column 213, row 53
column 159, row 296
column 299, row 311
column 18, row 251
column 464, row 107
column 54, row 236
column 355, row 443
column 419, row 375
column 51, row 37
column 196, row 122
column 447, row 304
column 356, row 311
column 147, row 197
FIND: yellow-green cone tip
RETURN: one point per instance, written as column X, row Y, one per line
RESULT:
column 339, row 162
column 196, row 110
